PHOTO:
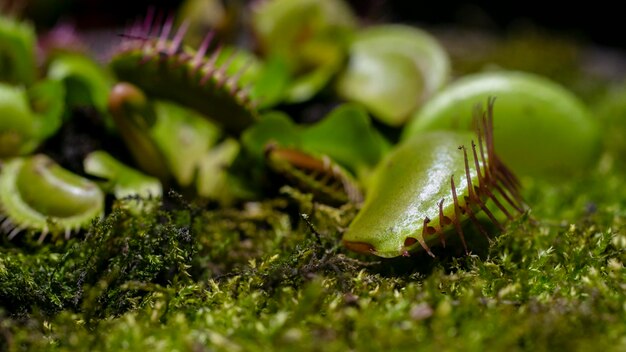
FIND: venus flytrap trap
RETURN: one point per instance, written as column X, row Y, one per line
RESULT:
column 165, row 69
column 346, row 135
column 392, row 70
column 121, row 180
column 37, row 195
column 328, row 182
column 331, row 159
column 430, row 184
column 542, row 129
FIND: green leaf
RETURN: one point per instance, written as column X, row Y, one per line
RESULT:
column 28, row 116
column 271, row 83
column 184, row 137
column 47, row 99
column 17, row 52
column 273, row 127
column 123, row 180
column 213, row 181
column 348, row 137
column 87, row 83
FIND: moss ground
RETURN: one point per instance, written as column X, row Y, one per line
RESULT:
column 261, row 277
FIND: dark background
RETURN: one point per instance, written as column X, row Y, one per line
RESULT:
column 588, row 21
column 593, row 22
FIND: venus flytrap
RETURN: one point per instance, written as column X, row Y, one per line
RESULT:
column 346, row 135
column 122, row 180
column 37, row 195
column 321, row 158
column 164, row 69
column 134, row 116
column 211, row 85
column 334, row 159
column 327, row 181
column 392, row 70
column 431, row 184
column 542, row 129
column 172, row 143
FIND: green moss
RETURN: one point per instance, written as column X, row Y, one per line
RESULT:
column 261, row 277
